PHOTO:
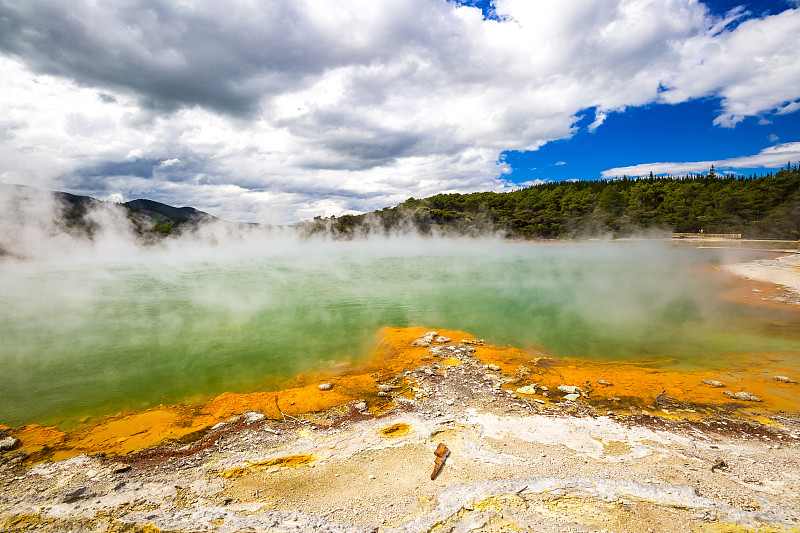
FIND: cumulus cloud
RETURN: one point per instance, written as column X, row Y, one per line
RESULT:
column 774, row 156
column 276, row 111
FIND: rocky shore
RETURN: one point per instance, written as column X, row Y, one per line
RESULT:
column 532, row 446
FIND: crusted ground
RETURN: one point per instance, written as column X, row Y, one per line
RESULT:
column 521, row 458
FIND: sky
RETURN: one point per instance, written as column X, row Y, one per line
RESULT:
column 277, row 111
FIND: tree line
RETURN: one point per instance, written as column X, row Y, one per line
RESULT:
column 764, row 206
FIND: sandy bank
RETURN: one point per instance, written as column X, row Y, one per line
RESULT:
column 783, row 271
column 633, row 450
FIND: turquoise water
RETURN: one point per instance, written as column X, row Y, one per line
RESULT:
column 96, row 336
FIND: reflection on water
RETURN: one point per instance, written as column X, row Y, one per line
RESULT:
column 94, row 338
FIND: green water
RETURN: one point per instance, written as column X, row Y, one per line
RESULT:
column 92, row 337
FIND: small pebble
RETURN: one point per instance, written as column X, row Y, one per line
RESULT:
column 325, row 386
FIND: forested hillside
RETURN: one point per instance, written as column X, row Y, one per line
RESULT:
column 765, row 206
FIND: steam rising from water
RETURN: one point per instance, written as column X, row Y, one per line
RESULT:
column 92, row 327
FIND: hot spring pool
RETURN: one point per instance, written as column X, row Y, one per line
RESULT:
column 91, row 337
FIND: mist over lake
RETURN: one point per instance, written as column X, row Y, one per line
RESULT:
column 92, row 336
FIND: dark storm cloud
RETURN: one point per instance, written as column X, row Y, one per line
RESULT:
column 217, row 57
column 104, row 175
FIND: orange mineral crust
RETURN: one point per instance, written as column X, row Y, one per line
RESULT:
column 129, row 432
column 619, row 386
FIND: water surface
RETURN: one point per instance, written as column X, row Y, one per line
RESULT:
column 92, row 337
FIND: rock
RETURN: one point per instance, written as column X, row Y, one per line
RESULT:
column 121, row 469
column 443, row 340
column 8, row 443
column 528, row 389
column 493, row 367
column 468, row 342
column 746, row 396
column 572, row 397
column 784, row 379
column 522, row 372
column 371, row 476
column 383, row 394
column 385, row 388
column 361, row 406
column 713, row 383
column 421, row 342
column 325, row 386
column 572, row 389
column 604, row 382
column 77, row 494
column 254, row 416
column 426, row 358
column 431, row 334
column 537, row 400
column 544, row 388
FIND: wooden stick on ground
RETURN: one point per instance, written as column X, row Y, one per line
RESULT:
column 441, row 454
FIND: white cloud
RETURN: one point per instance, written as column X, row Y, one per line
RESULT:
column 772, row 157
column 599, row 118
column 284, row 110
column 753, row 68
column 773, row 138
column 789, row 108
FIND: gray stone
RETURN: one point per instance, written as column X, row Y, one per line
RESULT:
column 77, row 494
column 254, row 416
column 325, row 386
column 572, row 389
column 713, row 383
column 361, row 406
column 443, row 340
column 494, row 367
column 784, row 379
column 746, row 396
column 8, row 443
column 572, row 397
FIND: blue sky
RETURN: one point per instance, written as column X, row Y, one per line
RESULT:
column 654, row 133
column 658, row 132
column 277, row 111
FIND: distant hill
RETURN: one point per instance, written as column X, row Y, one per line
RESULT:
column 151, row 208
column 20, row 205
